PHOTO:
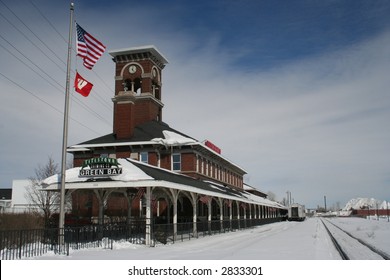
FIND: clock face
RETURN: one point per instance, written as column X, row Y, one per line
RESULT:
column 154, row 73
column 132, row 69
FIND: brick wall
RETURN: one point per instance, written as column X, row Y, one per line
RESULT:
column 146, row 110
column 124, row 120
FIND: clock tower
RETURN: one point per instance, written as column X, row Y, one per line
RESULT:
column 137, row 88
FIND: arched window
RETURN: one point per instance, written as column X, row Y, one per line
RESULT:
column 137, row 86
column 156, row 91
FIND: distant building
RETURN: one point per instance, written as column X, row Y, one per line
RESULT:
column 5, row 199
column 19, row 203
column 14, row 200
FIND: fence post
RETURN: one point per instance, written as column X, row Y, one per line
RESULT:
column 20, row 244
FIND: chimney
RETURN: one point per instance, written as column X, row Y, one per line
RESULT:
column 124, row 115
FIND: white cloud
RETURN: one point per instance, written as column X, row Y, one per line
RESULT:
column 310, row 126
column 315, row 126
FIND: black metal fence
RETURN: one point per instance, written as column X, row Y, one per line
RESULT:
column 168, row 233
column 20, row 244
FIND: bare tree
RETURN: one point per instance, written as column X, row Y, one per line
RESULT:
column 46, row 202
column 271, row 196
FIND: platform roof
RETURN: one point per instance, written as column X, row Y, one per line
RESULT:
column 136, row 174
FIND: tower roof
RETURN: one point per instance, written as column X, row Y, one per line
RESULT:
column 139, row 53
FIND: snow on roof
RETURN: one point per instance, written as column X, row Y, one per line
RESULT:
column 250, row 188
column 136, row 174
column 363, row 203
column 170, row 138
column 129, row 173
column 173, row 139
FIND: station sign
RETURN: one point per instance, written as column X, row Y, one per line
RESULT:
column 100, row 167
column 212, row 146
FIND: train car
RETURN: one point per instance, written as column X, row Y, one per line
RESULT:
column 296, row 212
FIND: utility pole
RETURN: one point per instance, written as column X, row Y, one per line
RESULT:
column 288, row 198
column 61, row 222
column 325, row 202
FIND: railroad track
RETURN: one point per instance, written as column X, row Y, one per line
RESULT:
column 351, row 247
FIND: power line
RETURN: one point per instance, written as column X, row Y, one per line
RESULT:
column 28, row 39
column 60, row 90
column 48, row 21
column 97, row 95
column 45, row 102
column 82, row 104
column 30, row 62
column 104, row 83
column 54, row 53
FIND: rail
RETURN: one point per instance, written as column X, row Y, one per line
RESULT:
column 344, row 251
column 336, row 244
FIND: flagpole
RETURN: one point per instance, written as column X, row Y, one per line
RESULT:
column 61, row 222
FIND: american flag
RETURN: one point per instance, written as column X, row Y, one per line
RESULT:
column 88, row 47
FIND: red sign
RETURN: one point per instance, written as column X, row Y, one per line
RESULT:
column 212, row 146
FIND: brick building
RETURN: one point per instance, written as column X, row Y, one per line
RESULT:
column 138, row 121
column 159, row 172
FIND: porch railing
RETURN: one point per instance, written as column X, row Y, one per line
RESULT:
column 168, row 233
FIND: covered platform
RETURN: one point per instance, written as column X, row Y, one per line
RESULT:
column 153, row 185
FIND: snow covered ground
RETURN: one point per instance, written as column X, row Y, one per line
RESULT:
column 279, row 241
column 281, row 249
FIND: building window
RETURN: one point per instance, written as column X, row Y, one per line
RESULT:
column 176, row 162
column 143, row 157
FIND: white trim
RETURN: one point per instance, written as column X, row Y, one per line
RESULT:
column 149, row 48
column 80, row 146
column 247, row 197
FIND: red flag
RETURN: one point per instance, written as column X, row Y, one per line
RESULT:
column 82, row 86
column 88, row 47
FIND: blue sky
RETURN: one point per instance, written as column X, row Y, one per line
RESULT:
column 295, row 92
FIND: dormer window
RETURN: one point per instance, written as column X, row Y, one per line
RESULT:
column 144, row 157
column 176, row 162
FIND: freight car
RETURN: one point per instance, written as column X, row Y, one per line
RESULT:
column 296, row 212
